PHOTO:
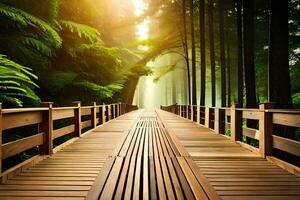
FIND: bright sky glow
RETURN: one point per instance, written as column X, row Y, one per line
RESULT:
column 142, row 29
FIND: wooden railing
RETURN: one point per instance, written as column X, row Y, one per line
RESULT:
column 40, row 128
column 232, row 122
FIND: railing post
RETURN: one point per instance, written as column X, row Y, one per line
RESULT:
column 192, row 113
column 207, row 117
column 265, row 130
column 47, row 129
column 180, row 110
column 103, row 113
column 118, row 110
column 109, row 112
column 94, row 115
column 114, row 110
column 236, row 123
column 198, row 114
column 1, row 127
column 219, row 118
column 77, row 119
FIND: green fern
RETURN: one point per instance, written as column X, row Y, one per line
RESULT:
column 21, row 18
column 16, row 82
column 100, row 92
column 81, row 30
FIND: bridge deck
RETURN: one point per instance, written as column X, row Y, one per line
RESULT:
column 147, row 154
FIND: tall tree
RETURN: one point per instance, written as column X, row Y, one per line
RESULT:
column 186, row 50
column 222, row 53
column 279, row 77
column 240, row 52
column 228, row 65
column 202, row 52
column 194, row 94
column 248, row 24
column 212, row 51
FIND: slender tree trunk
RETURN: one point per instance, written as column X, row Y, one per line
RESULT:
column 202, row 52
column 222, row 53
column 228, row 49
column 250, row 83
column 186, row 50
column 240, row 53
column 194, row 94
column 212, row 51
column 174, row 87
column 279, row 77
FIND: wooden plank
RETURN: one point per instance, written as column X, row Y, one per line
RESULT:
column 251, row 133
column 251, row 114
column 286, row 119
column 210, row 191
column 85, row 111
column 63, row 114
column 18, row 146
column 287, row 145
column 111, row 182
column 15, row 120
column 63, row 131
column 86, row 124
column 195, row 186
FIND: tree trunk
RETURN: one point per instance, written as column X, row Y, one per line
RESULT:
column 202, row 52
column 194, row 95
column 222, row 53
column 240, row 53
column 248, row 22
column 279, row 77
column 186, row 50
column 212, row 52
column 250, row 83
column 228, row 66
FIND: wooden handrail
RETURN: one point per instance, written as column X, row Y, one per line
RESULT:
column 76, row 118
column 266, row 115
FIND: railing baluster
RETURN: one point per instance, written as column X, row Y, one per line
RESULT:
column 94, row 115
column 219, row 120
column 47, row 129
column 103, row 113
column 236, row 123
column 265, row 130
column 77, row 119
column 207, row 117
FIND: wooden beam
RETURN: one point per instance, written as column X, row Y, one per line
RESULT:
column 219, row 120
column 265, row 130
column 236, row 123
column 77, row 119
column 207, row 117
column 94, row 115
column 47, row 129
column 103, row 113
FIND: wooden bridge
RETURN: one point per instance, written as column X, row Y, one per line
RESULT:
column 118, row 152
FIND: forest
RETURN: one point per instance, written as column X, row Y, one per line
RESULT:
column 67, row 50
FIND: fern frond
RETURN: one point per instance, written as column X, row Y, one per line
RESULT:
column 81, row 30
column 22, row 18
column 15, row 82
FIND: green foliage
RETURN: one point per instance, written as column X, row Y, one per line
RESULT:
column 81, row 30
column 55, row 81
column 16, row 83
column 100, row 92
column 21, row 19
column 296, row 100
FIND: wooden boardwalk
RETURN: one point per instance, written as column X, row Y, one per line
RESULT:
column 149, row 154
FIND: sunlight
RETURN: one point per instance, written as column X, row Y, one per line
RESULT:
column 142, row 29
